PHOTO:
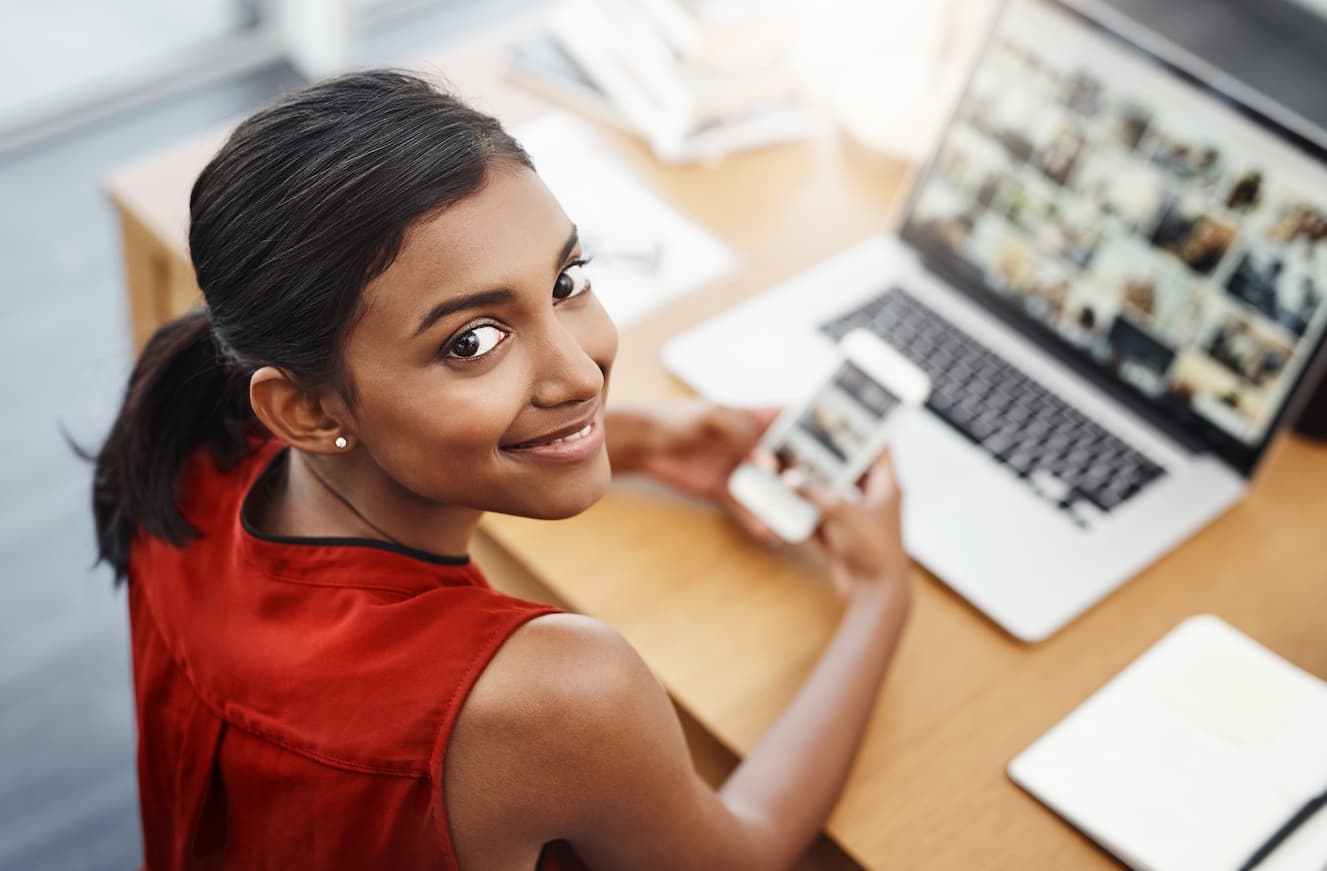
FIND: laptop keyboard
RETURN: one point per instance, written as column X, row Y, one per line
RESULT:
column 1065, row 457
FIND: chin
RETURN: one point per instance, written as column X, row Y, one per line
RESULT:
column 570, row 508
column 559, row 500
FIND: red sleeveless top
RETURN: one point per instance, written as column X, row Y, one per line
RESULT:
column 295, row 696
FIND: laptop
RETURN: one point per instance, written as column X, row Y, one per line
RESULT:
column 1114, row 270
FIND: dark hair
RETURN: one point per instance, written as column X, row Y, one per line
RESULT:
column 305, row 203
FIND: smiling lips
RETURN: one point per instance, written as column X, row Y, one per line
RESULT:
column 578, row 434
column 567, row 447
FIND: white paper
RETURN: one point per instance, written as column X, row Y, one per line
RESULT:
column 646, row 252
column 1192, row 756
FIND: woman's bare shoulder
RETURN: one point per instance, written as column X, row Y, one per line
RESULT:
column 568, row 736
column 552, row 666
column 535, row 742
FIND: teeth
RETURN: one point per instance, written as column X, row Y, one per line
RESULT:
column 574, row 436
column 567, row 438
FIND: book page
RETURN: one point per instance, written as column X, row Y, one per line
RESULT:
column 1192, row 756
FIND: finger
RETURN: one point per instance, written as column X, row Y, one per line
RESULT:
column 842, row 586
column 885, row 457
column 763, row 458
column 882, row 481
column 763, row 417
column 812, row 491
column 736, row 427
column 744, row 426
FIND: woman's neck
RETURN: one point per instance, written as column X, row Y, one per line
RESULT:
column 320, row 497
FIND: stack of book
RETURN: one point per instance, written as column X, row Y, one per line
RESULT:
column 697, row 79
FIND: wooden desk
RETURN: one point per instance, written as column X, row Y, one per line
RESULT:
column 731, row 629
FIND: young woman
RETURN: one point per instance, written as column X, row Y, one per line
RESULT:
column 400, row 334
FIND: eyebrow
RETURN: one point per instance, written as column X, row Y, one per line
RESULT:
column 461, row 303
column 568, row 246
column 488, row 297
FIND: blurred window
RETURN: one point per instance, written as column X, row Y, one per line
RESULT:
column 60, row 56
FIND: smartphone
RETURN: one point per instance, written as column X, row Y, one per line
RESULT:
column 833, row 437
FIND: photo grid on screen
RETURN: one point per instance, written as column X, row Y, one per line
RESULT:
column 841, row 421
column 1177, row 244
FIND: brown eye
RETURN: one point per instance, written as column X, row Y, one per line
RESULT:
column 466, row 346
column 475, row 342
column 572, row 282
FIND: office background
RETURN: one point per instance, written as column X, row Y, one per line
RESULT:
column 67, row 792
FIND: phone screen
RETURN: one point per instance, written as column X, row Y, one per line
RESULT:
column 836, row 427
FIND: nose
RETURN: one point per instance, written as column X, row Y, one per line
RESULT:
column 567, row 369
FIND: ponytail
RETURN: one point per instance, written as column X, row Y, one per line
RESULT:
column 306, row 203
column 182, row 394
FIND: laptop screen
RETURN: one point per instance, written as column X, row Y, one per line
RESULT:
column 1168, row 237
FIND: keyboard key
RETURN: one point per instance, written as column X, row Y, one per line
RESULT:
column 1086, row 513
column 1049, row 485
column 1021, row 462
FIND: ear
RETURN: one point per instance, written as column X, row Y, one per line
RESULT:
column 302, row 418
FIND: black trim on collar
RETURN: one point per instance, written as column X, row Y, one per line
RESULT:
column 333, row 541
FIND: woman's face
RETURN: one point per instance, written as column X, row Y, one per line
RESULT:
column 481, row 362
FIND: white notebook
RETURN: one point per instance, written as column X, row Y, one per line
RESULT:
column 1192, row 757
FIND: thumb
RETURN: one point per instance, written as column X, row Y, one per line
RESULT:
column 881, row 481
column 763, row 417
column 812, row 491
column 735, row 427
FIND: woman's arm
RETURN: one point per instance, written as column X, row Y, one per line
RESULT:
column 690, row 445
column 567, row 735
column 787, row 787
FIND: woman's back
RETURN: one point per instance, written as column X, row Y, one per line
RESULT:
column 295, row 697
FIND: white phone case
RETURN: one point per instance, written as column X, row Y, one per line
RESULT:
column 870, row 385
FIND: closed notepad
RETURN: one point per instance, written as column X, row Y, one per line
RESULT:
column 1192, row 756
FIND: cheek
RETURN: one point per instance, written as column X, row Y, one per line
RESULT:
column 475, row 415
column 436, row 437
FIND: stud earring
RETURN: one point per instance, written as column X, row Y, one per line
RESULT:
column 341, row 442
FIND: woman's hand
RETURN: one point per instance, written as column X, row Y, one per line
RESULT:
column 863, row 539
column 693, row 446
